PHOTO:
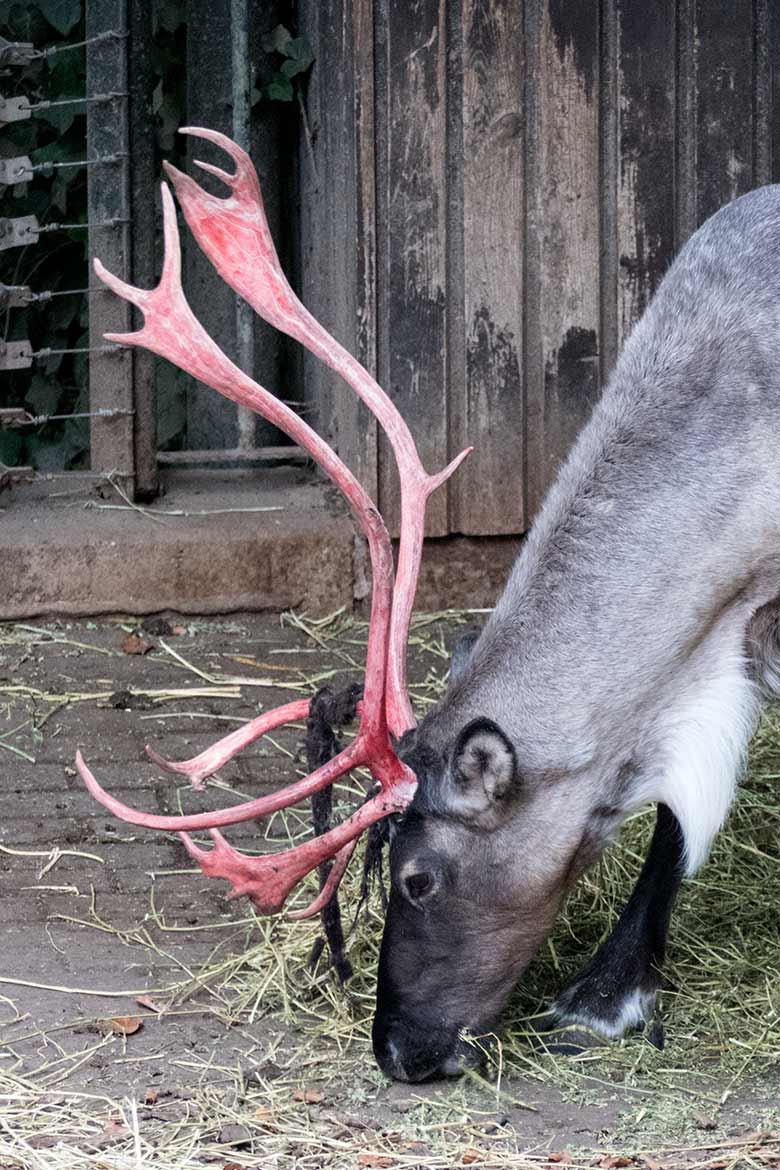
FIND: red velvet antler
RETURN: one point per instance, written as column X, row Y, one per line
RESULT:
column 234, row 233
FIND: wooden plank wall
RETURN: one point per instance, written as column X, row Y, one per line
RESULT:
column 225, row 60
column 500, row 188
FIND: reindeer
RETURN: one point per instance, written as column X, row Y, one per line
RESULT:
column 623, row 664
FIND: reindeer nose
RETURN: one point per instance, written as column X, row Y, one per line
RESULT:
column 388, row 1056
column 415, row 1051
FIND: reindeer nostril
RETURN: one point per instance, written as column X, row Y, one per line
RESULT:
column 392, row 1064
column 413, row 1052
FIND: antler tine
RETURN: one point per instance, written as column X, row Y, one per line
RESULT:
column 216, row 756
column 268, row 880
column 233, row 232
column 353, row 756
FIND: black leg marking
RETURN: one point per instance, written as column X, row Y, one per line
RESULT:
column 616, row 991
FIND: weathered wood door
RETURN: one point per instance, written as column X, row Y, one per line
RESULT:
column 492, row 190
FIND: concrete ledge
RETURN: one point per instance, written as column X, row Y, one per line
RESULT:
column 66, row 550
column 72, row 555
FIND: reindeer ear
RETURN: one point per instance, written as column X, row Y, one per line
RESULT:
column 483, row 769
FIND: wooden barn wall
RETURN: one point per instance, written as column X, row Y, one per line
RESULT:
column 490, row 193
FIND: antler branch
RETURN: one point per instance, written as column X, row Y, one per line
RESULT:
column 234, row 234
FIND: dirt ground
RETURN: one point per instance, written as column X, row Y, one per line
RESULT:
column 97, row 915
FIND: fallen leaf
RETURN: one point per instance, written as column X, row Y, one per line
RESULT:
column 158, row 627
column 703, row 1120
column 310, row 1096
column 179, row 630
column 114, row 1128
column 378, row 1160
column 615, row 1162
column 150, row 1097
column 147, row 1002
column 469, row 1156
column 135, row 644
column 559, row 1157
column 123, row 1025
column 233, row 1166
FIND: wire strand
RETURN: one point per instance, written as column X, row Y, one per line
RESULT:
column 111, row 34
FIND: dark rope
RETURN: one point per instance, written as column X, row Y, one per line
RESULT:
column 329, row 710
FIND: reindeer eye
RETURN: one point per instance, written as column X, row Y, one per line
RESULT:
column 418, row 885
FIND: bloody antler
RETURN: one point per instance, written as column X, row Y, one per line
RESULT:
column 235, row 236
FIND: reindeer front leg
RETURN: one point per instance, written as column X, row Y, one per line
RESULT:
column 616, row 991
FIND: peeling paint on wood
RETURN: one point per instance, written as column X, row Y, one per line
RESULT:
column 515, row 180
column 412, row 279
column 490, row 407
column 562, row 178
column 724, row 70
column 337, row 237
column 645, row 197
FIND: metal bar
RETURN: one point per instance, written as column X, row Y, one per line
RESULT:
column 46, row 168
column 18, row 109
column 46, row 352
column 241, row 80
column 211, row 419
column 20, row 296
column 109, row 34
column 76, row 101
column 17, row 416
column 108, row 200
column 142, row 204
column 289, row 454
column 68, row 227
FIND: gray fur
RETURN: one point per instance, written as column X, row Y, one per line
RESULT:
column 621, row 660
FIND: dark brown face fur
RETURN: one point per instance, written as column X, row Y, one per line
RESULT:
column 467, row 908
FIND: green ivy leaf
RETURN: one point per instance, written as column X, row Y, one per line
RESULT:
column 63, row 15
column 43, row 395
column 168, row 15
column 60, row 119
column 10, row 448
column 299, row 50
column 280, row 90
column 277, row 40
column 66, row 75
column 291, row 69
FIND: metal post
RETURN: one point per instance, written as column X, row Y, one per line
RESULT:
column 108, row 199
column 245, row 325
column 142, row 205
